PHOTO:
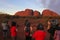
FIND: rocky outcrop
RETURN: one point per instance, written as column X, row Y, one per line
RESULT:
column 47, row 12
column 36, row 13
column 20, row 13
column 28, row 12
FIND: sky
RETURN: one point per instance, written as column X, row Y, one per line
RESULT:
column 12, row 6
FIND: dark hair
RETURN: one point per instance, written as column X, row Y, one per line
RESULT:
column 58, row 27
column 40, row 27
column 27, row 23
column 13, row 23
column 26, row 20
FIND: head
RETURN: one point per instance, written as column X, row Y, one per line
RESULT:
column 3, row 21
column 27, row 23
column 54, row 21
column 40, row 27
column 13, row 23
column 26, row 20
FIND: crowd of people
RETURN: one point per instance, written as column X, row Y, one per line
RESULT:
column 53, row 30
column 9, row 32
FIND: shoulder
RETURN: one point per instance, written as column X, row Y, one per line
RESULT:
column 13, row 26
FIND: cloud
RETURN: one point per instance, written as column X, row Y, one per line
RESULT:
column 50, row 4
column 55, row 5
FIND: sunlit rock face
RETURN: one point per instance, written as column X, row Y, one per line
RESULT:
column 20, row 13
column 36, row 13
column 47, row 12
column 28, row 12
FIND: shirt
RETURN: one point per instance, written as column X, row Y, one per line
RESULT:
column 13, row 31
column 4, row 25
column 39, row 35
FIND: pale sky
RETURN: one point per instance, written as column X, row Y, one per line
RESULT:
column 12, row 6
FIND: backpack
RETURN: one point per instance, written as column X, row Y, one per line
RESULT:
column 27, row 31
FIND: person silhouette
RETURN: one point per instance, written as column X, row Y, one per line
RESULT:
column 5, row 28
column 39, row 34
column 27, row 29
column 13, row 31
